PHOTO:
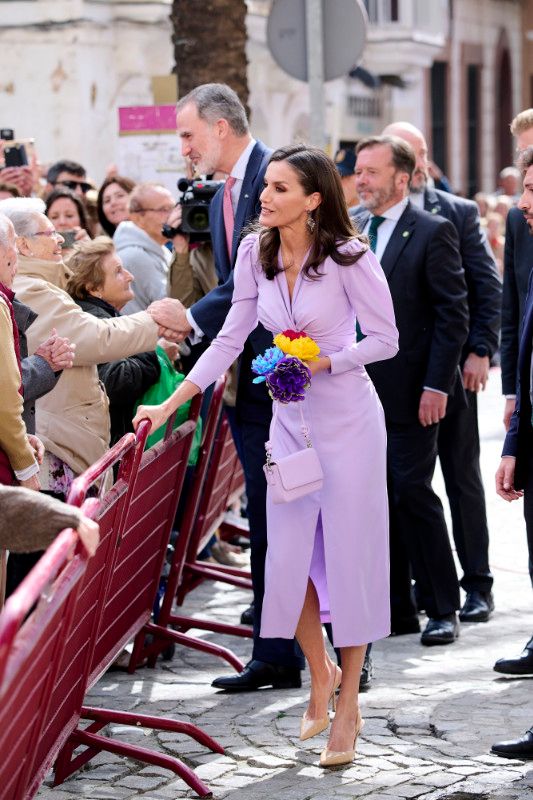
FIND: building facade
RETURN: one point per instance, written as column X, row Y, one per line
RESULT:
column 458, row 69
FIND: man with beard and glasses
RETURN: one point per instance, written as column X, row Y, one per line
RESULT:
column 458, row 443
column 419, row 254
column 514, row 477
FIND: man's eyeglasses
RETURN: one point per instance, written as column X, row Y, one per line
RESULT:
column 165, row 210
column 83, row 185
column 49, row 232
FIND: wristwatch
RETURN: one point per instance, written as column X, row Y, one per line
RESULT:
column 481, row 350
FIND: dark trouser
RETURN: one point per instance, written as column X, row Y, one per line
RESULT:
column 418, row 533
column 459, row 452
column 284, row 652
column 528, row 510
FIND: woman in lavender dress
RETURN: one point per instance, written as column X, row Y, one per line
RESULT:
column 307, row 270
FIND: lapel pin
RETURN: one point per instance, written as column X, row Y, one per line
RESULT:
column 246, row 196
column 435, row 210
column 405, row 234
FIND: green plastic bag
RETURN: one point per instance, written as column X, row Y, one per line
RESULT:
column 169, row 380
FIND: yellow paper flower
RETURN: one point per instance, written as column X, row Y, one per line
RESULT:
column 304, row 348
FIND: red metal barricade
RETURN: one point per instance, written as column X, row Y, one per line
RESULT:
column 31, row 654
column 132, row 577
column 48, row 660
column 212, row 489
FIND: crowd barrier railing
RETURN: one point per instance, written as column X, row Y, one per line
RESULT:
column 48, row 661
column 32, row 646
column 212, row 489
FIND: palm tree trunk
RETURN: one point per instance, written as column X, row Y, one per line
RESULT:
column 209, row 38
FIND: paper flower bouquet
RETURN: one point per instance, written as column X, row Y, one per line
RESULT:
column 283, row 367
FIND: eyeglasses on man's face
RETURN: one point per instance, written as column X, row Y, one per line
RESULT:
column 83, row 185
column 48, row 232
column 163, row 210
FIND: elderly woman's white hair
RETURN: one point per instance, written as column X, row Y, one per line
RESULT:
column 24, row 213
column 6, row 226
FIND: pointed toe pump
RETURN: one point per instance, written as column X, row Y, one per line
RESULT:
column 335, row 758
column 312, row 727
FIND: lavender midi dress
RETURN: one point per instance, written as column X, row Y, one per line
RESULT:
column 338, row 536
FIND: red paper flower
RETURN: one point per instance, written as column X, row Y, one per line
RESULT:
column 292, row 335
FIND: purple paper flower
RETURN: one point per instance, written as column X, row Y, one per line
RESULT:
column 265, row 364
column 288, row 382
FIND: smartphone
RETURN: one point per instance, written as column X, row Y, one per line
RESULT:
column 69, row 237
column 15, row 155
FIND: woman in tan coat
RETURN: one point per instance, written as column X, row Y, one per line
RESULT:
column 73, row 419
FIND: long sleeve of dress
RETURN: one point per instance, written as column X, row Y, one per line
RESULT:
column 240, row 322
column 368, row 291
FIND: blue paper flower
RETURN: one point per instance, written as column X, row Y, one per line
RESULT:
column 265, row 364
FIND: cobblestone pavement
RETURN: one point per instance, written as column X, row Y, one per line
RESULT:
column 431, row 714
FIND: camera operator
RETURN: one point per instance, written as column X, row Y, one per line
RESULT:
column 192, row 271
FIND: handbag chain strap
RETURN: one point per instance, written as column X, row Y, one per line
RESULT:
column 305, row 432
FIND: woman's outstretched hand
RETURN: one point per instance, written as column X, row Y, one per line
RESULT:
column 157, row 415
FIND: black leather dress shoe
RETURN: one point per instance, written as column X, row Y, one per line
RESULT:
column 477, row 607
column 441, row 631
column 516, row 748
column 367, row 673
column 247, row 616
column 403, row 625
column 257, row 674
column 521, row 665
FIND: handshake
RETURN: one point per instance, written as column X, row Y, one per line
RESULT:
column 170, row 316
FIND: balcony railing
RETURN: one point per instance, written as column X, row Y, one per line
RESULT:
column 420, row 17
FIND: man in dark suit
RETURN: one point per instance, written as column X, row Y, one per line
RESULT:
column 213, row 128
column 518, row 262
column 458, row 444
column 514, row 477
column 419, row 255
column 518, row 259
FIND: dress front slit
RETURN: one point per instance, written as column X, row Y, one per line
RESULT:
column 317, row 572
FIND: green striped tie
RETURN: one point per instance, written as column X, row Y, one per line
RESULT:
column 375, row 222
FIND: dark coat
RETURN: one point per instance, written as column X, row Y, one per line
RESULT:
column 423, row 267
column 211, row 311
column 38, row 377
column 253, row 402
column 519, row 436
column 518, row 263
column 125, row 380
column 481, row 273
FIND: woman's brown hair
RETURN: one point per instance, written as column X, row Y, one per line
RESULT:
column 86, row 266
column 333, row 227
column 127, row 184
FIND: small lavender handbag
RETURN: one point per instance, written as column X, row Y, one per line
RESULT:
column 296, row 475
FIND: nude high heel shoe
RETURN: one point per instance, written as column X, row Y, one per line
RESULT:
column 312, row 727
column 334, row 758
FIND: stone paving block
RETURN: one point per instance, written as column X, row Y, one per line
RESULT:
column 140, row 782
column 112, row 793
column 109, row 772
column 213, row 770
column 438, row 779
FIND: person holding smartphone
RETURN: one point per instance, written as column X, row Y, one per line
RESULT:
column 68, row 215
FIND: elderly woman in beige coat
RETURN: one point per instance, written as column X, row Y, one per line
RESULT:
column 73, row 419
